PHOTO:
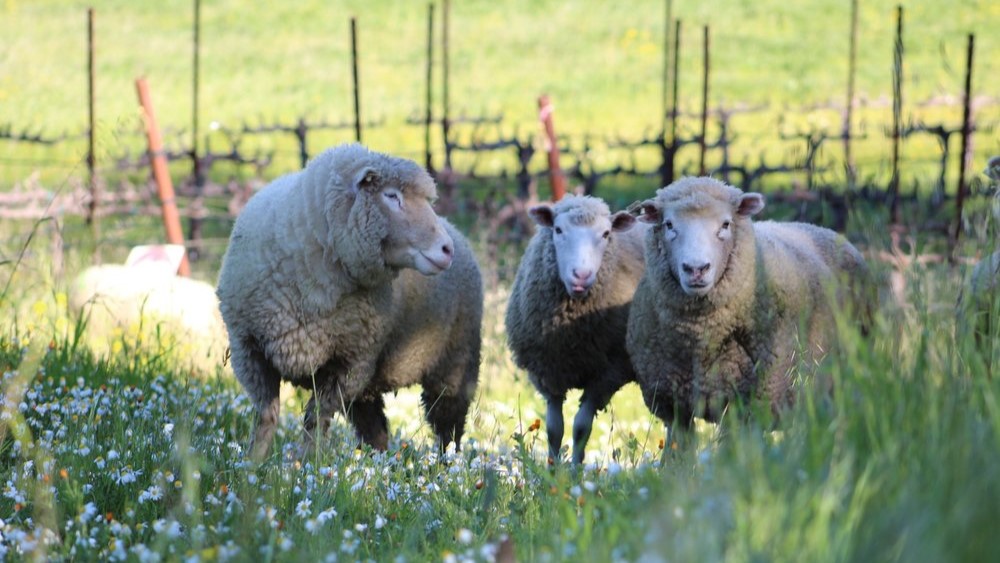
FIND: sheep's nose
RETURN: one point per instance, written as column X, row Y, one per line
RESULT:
column 582, row 275
column 696, row 270
column 447, row 249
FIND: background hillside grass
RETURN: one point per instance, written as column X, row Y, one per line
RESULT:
column 601, row 62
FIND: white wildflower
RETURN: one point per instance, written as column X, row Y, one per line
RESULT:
column 153, row 493
column 302, row 509
column 326, row 515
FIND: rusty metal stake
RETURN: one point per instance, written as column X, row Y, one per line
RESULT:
column 556, row 177
column 165, row 187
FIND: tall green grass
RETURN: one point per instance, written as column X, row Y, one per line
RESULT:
column 122, row 455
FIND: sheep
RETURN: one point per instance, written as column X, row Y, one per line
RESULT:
column 341, row 279
column 147, row 300
column 725, row 304
column 568, row 309
column 978, row 300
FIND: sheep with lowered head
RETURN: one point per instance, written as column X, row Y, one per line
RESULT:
column 568, row 309
column 155, row 306
column 726, row 305
column 340, row 278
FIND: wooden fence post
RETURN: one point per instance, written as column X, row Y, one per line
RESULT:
column 849, row 108
column 428, row 160
column 672, row 156
column 897, row 115
column 354, row 71
column 556, row 178
column 165, row 187
column 445, row 117
column 966, row 154
column 92, row 217
column 665, row 168
column 198, row 204
column 703, row 142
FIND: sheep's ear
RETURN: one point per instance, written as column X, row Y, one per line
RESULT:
column 750, row 204
column 365, row 179
column 542, row 214
column 649, row 212
column 622, row 221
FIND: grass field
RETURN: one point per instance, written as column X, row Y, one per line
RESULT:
column 123, row 453
column 602, row 63
column 127, row 456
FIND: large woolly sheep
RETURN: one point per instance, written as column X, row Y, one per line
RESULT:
column 568, row 309
column 341, row 279
column 726, row 305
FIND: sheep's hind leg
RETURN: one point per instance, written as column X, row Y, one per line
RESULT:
column 368, row 418
column 321, row 407
column 583, row 423
column 446, row 413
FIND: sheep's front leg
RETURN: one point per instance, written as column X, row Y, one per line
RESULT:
column 268, row 410
column 368, row 418
column 262, row 382
column 554, row 426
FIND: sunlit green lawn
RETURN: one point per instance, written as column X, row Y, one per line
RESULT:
column 601, row 62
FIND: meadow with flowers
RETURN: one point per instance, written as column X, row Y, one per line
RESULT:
column 127, row 455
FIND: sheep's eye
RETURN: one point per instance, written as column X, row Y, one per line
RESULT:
column 558, row 230
column 606, row 234
column 668, row 224
column 392, row 195
column 725, row 225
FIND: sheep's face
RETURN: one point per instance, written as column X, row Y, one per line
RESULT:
column 416, row 238
column 698, row 234
column 580, row 238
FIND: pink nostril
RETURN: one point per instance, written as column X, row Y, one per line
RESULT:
column 581, row 274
